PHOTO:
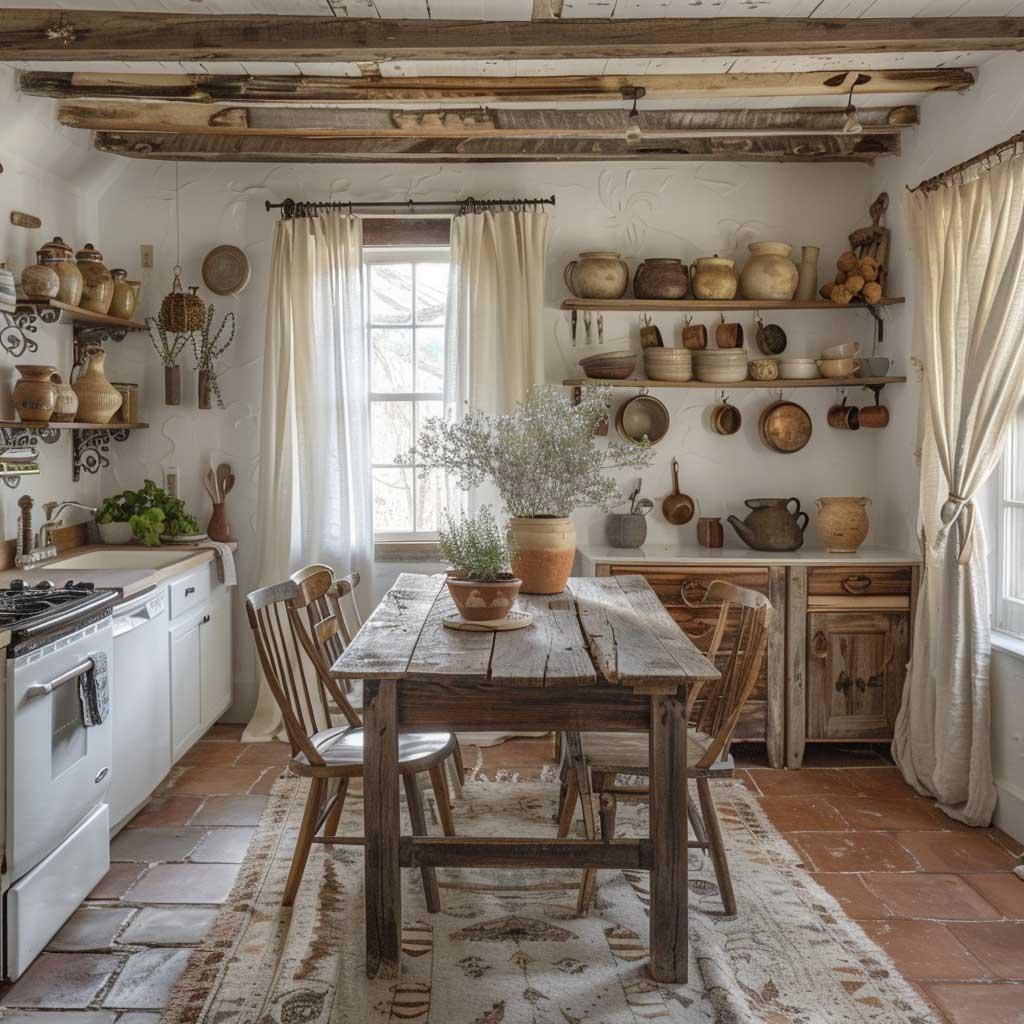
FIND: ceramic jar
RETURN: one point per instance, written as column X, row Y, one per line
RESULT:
column 661, row 278
column 40, row 282
column 35, row 395
column 843, row 523
column 58, row 255
column 67, row 401
column 807, row 284
column 98, row 399
column 769, row 273
column 714, row 278
column 597, row 275
column 709, row 532
column 763, row 369
column 98, row 285
column 125, row 297
column 543, row 553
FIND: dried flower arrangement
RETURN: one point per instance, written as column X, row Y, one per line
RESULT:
column 168, row 346
column 207, row 349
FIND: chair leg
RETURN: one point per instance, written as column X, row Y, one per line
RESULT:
column 442, row 799
column 572, row 794
column 460, row 768
column 698, row 826
column 302, row 846
column 586, row 894
column 331, row 825
column 418, row 821
column 716, row 845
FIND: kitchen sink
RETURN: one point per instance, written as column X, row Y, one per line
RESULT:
column 143, row 558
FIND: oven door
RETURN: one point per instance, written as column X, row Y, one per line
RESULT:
column 58, row 771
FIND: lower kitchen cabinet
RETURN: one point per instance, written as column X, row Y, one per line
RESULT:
column 186, row 683
column 215, row 653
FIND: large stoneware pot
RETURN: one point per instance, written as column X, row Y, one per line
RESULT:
column 713, row 279
column 843, row 523
column 35, row 395
column 661, row 278
column 543, row 554
column 769, row 273
column 597, row 275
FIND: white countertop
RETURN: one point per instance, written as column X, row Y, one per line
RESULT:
column 588, row 556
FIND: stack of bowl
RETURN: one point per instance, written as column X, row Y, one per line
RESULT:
column 720, row 365
column 674, row 364
column 799, row 369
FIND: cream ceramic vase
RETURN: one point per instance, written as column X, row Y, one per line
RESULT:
column 544, row 550
column 125, row 297
column 34, row 394
column 843, row 523
column 807, row 286
column 98, row 399
column 713, row 279
column 597, row 275
column 769, row 273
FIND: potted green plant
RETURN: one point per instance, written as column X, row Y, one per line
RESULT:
column 479, row 581
column 545, row 462
column 147, row 515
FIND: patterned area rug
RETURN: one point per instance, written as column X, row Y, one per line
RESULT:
column 508, row 948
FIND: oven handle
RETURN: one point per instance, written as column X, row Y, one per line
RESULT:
column 45, row 689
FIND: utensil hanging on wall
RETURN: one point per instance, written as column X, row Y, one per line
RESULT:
column 771, row 338
column 226, row 270
column 650, row 335
column 785, row 427
column 677, row 507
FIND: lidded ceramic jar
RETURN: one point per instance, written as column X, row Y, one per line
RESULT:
column 126, row 295
column 597, row 275
column 40, row 282
column 714, row 278
column 843, row 523
column 769, row 273
column 34, row 394
column 98, row 399
column 661, row 278
column 98, row 287
column 59, row 256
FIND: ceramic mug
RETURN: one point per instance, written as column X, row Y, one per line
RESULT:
column 729, row 335
column 726, row 419
column 844, row 417
column 695, row 336
column 876, row 416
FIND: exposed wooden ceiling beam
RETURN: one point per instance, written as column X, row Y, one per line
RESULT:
column 64, row 35
column 318, row 122
column 299, row 89
column 262, row 148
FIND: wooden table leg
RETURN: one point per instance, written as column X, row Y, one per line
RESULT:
column 669, row 894
column 382, row 825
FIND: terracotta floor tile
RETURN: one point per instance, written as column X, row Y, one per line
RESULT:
column 805, row 782
column 137, row 1017
column 185, row 883
column 268, row 780
column 117, row 881
column 956, row 852
column 167, row 812
column 803, row 814
column 979, row 1004
column 930, row 897
column 90, row 928
column 64, row 1017
column 856, row 899
column 217, row 781
column 169, row 926
column 999, row 945
column 62, row 981
column 1003, row 889
column 896, row 814
column 881, row 781
column 223, row 846
column 147, row 979
column 851, row 851
column 151, row 845
column 209, row 753
column 834, row 755
column 1015, row 846
column 925, row 950
column 266, row 753
column 231, row 810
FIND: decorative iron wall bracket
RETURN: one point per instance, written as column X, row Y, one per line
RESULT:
column 15, row 329
column 90, row 449
column 19, row 437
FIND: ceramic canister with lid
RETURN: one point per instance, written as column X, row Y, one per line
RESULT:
column 59, row 256
column 98, row 284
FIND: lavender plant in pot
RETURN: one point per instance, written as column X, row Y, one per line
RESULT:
column 545, row 462
column 479, row 581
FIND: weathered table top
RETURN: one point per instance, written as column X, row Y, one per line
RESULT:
column 612, row 628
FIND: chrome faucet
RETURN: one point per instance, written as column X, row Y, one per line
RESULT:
column 33, row 551
column 52, row 510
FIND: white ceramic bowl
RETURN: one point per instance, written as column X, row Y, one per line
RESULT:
column 799, row 369
column 848, row 350
column 722, row 375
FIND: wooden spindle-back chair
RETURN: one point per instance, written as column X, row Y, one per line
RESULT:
column 595, row 760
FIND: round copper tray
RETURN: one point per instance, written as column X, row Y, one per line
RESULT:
column 785, row 427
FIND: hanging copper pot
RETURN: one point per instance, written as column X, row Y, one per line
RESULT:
column 182, row 311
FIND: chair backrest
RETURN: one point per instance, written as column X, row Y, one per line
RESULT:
column 722, row 700
column 293, row 666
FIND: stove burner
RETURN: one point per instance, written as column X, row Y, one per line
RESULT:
column 30, row 608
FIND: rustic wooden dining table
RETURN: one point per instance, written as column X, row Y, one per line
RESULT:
column 603, row 655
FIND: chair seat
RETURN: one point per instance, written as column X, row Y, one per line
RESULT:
column 625, row 752
column 342, row 750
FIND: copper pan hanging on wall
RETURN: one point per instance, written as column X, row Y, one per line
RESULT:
column 785, row 427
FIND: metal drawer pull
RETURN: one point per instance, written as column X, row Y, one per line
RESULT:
column 856, row 584
column 819, row 645
column 45, row 689
column 189, row 590
column 206, row 618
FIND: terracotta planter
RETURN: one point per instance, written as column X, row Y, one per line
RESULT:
column 714, row 278
column 98, row 399
column 769, row 273
column 67, row 401
column 98, row 285
column 843, row 523
column 597, row 275
column 483, row 602
column 661, row 279
column 544, row 550
column 35, row 395
column 172, row 385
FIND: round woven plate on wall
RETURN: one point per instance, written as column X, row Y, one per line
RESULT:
column 226, row 270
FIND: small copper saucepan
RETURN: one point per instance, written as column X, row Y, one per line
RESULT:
column 725, row 419
column 643, row 418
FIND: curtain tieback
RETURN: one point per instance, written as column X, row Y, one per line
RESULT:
column 951, row 510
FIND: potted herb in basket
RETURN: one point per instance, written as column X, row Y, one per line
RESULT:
column 479, row 581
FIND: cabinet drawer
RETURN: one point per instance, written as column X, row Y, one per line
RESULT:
column 855, row 581
column 190, row 592
column 669, row 582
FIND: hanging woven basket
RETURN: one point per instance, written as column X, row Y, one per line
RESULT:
column 182, row 311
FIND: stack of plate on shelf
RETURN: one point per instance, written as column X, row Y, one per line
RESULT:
column 720, row 365
column 675, row 364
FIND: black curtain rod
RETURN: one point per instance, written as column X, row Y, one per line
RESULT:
column 304, row 208
column 953, row 175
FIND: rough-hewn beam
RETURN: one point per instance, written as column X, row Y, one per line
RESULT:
column 276, row 149
column 301, row 89
column 63, row 35
column 479, row 122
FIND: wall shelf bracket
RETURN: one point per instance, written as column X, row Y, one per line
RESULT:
column 90, row 449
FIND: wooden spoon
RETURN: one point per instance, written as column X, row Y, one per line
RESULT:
column 210, row 483
column 223, row 472
column 677, row 508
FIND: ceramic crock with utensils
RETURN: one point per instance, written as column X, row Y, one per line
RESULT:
column 677, row 507
column 625, row 529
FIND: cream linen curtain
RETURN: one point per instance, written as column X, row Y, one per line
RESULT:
column 970, row 243
column 314, row 484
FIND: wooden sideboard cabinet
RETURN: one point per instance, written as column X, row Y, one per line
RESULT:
column 838, row 651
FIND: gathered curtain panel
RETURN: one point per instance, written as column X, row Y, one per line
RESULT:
column 314, row 497
column 970, row 342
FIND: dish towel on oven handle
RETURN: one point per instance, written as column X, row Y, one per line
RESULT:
column 225, row 562
column 94, row 691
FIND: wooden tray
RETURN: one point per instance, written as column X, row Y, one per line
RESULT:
column 514, row 620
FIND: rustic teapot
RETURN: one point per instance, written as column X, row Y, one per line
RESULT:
column 770, row 526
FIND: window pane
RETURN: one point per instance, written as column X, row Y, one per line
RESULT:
column 431, row 292
column 390, row 293
column 392, row 499
column 430, row 501
column 1013, row 459
column 391, row 359
column 430, row 359
column 1013, row 552
column 391, row 430
column 426, row 410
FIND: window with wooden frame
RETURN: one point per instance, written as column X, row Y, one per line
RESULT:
column 1008, row 613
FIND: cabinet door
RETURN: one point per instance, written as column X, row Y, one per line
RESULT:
column 186, row 672
column 856, row 663
column 216, row 656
